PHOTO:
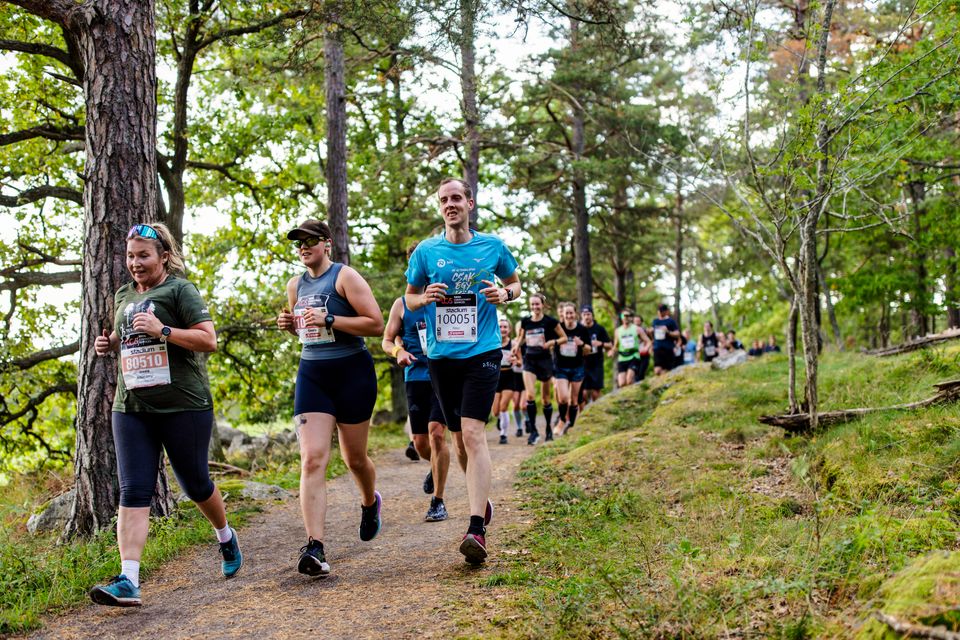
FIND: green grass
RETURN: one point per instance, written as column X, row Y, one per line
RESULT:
column 41, row 577
column 676, row 514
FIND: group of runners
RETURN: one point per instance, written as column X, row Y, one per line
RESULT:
column 461, row 362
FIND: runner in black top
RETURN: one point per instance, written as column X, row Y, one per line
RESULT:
column 665, row 333
column 593, row 363
column 507, row 388
column 539, row 333
column 709, row 343
column 570, row 367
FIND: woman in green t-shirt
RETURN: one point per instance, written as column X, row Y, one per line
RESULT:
column 162, row 402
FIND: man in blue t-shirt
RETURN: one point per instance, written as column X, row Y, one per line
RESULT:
column 665, row 334
column 454, row 276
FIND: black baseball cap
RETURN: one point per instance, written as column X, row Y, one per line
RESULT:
column 310, row 228
column 586, row 307
column 663, row 308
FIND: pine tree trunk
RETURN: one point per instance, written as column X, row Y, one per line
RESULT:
column 336, row 167
column 468, row 87
column 118, row 46
column 678, row 256
column 952, row 289
column 919, row 299
column 791, row 342
column 581, row 217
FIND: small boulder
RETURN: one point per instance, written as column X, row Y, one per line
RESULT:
column 54, row 515
column 261, row 491
column 229, row 434
column 729, row 360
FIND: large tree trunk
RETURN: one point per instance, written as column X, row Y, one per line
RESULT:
column 678, row 255
column 336, row 167
column 919, row 321
column 118, row 47
column 581, row 220
column 951, row 296
column 468, row 87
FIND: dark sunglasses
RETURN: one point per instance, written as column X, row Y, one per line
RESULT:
column 308, row 242
column 145, row 231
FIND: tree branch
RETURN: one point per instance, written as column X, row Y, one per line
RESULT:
column 37, row 279
column 253, row 28
column 29, row 196
column 41, row 356
column 43, row 131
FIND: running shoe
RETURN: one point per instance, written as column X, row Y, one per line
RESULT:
column 437, row 511
column 488, row 513
column 370, row 519
column 312, row 561
column 428, row 483
column 232, row 558
column 519, row 432
column 474, row 548
column 549, row 437
column 503, row 440
column 119, row 592
column 411, row 452
column 533, row 439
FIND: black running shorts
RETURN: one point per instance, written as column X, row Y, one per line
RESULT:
column 594, row 376
column 664, row 358
column 346, row 388
column 423, row 406
column 466, row 387
column 506, row 382
column 541, row 367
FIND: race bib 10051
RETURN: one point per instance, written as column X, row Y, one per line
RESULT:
column 144, row 362
column 457, row 318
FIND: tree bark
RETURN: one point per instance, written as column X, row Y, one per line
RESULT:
column 398, row 394
column 791, row 343
column 678, row 255
column 336, row 166
column 118, row 46
column 831, row 310
column 919, row 320
column 581, row 217
column 952, row 289
column 468, row 87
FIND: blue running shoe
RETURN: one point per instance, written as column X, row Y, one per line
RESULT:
column 437, row 511
column 119, row 592
column 232, row 558
column 370, row 519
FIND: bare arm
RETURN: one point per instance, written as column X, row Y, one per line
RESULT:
column 369, row 319
column 285, row 317
column 200, row 337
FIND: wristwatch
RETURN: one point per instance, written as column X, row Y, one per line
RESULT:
column 164, row 333
column 509, row 293
column 328, row 321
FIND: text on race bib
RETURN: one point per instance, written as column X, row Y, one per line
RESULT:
column 568, row 349
column 659, row 333
column 457, row 318
column 535, row 338
column 710, row 350
column 422, row 335
column 506, row 358
column 311, row 335
column 628, row 342
column 144, row 362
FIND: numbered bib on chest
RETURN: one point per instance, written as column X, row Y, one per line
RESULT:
column 535, row 338
column 568, row 350
column 311, row 335
column 457, row 318
column 659, row 333
column 505, row 358
column 628, row 342
column 710, row 350
column 144, row 362
column 422, row 335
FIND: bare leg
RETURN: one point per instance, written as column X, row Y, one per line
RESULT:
column 353, row 448
column 132, row 526
column 213, row 509
column 478, row 464
column 440, row 462
column 460, row 449
column 314, row 431
column 421, row 442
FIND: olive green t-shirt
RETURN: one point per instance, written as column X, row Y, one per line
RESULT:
column 177, row 304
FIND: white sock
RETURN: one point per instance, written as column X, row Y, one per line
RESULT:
column 504, row 422
column 131, row 569
column 224, row 535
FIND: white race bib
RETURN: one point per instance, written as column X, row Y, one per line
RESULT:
column 710, row 350
column 144, row 362
column 659, row 333
column 422, row 334
column 535, row 338
column 628, row 342
column 568, row 349
column 506, row 358
column 457, row 318
column 311, row 335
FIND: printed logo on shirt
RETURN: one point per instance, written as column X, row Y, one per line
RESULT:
column 132, row 309
column 441, row 263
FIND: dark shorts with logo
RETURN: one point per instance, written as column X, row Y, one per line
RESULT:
column 466, row 387
column 423, row 406
column 541, row 367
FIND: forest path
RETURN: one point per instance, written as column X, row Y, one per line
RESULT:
column 403, row 584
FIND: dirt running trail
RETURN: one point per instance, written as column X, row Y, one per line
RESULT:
column 403, row 584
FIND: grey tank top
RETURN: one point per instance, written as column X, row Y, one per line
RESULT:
column 322, row 292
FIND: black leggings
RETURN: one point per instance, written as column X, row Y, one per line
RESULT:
column 141, row 437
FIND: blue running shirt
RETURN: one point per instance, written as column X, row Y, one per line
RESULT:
column 462, row 267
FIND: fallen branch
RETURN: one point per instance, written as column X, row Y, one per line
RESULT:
column 228, row 468
column 914, row 345
column 916, row 630
column 948, row 391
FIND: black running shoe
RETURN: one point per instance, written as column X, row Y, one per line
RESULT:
column 533, row 439
column 312, row 561
column 519, row 432
column 428, row 483
column 370, row 519
column 411, row 452
column 503, row 440
column 437, row 511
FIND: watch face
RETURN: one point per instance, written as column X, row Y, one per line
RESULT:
column 165, row 331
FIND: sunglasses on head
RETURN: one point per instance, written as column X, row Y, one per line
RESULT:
column 310, row 241
column 145, row 231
